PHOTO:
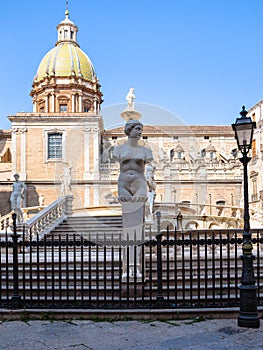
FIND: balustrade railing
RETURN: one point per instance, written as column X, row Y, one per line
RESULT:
column 47, row 219
column 5, row 222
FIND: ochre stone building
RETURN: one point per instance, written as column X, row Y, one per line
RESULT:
column 63, row 146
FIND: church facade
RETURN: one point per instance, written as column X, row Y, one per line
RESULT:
column 62, row 147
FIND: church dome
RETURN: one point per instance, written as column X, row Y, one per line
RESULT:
column 66, row 60
column 66, row 80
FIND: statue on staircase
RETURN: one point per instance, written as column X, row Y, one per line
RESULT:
column 17, row 196
column 133, row 194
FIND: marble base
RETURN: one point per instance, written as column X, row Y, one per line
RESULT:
column 133, row 221
column 129, row 114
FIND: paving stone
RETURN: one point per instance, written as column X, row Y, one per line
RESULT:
column 129, row 335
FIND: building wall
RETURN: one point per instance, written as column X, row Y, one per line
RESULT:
column 198, row 176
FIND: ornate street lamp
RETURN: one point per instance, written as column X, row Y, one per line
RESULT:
column 248, row 316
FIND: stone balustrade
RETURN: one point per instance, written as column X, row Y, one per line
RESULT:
column 5, row 222
column 47, row 219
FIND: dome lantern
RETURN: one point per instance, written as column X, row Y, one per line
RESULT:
column 67, row 30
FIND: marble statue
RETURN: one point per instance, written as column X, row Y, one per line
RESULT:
column 130, row 98
column 16, row 197
column 41, row 200
column 133, row 193
column 66, row 180
column 150, row 169
column 132, row 158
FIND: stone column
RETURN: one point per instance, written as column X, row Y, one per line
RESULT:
column 96, row 201
column 73, row 101
column 96, row 153
column 34, row 105
column 53, row 102
column 46, row 104
column 86, row 195
column 86, row 174
column 80, row 103
column 133, row 219
column 23, row 154
column 14, row 144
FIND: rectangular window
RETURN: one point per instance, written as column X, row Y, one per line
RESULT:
column 55, row 146
column 63, row 108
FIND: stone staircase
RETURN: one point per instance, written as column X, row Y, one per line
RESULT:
column 92, row 228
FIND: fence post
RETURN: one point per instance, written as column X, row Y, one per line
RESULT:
column 159, row 298
column 16, row 298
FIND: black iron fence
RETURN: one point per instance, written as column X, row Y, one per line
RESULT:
column 198, row 268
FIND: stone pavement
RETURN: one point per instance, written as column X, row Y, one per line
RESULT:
column 194, row 334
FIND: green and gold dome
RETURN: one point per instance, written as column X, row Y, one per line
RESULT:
column 65, row 60
column 66, row 80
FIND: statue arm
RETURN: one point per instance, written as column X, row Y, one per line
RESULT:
column 23, row 189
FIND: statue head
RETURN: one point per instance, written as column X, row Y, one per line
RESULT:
column 16, row 176
column 130, row 125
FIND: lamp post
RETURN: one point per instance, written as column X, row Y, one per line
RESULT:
column 248, row 316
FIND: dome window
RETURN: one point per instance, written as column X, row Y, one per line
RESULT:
column 63, row 108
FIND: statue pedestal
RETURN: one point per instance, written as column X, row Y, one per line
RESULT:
column 133, row 219
column 130, row 114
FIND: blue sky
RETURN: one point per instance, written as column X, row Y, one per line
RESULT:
column 199, row 59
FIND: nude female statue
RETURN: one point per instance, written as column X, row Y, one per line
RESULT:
column 132, row 158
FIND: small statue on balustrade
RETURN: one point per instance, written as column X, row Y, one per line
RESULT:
column 17, row 196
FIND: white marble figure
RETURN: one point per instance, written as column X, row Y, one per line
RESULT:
column 132, row 193
column 130, row 99
column 66, row 180
column 106, row 151
column 132, row 158
column 16, row 197
column 41, row 200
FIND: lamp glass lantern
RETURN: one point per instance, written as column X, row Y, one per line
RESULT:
column 244, row 128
